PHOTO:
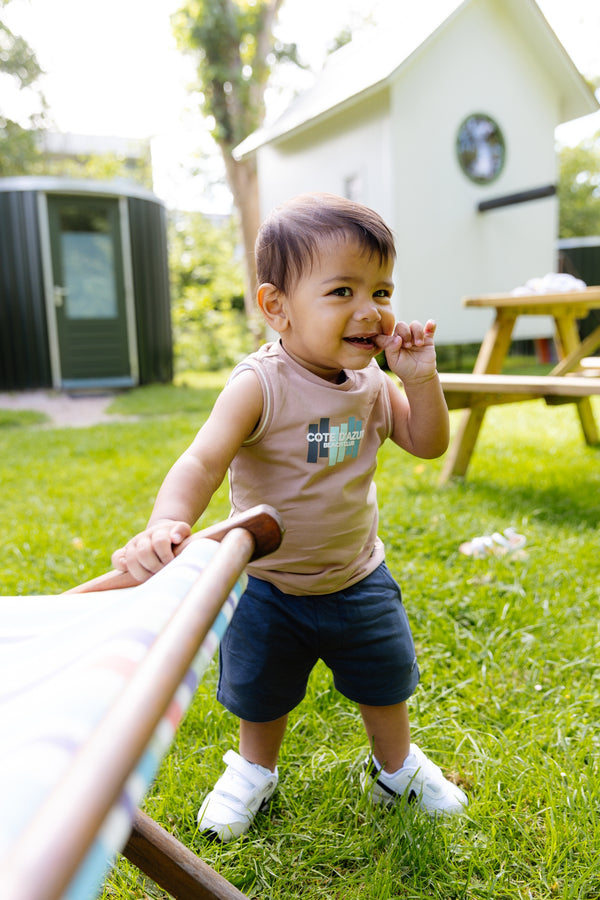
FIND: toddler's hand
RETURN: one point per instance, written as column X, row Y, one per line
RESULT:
column 410, row 351
column 150, row 550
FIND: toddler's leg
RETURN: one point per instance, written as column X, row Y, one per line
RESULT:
column 260, row 742
column 398, row 769
column 388, row 730
column 248, row 782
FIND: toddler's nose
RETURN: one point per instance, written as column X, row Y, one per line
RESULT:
column 368, row 311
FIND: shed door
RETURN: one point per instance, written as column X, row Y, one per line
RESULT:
column 89, row 291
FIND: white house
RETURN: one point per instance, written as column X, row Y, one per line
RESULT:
column 425, row 125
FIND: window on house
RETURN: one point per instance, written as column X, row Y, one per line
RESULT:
column 353, row 188
column 480, row 148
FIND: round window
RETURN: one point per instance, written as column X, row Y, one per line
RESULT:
column 480, row 148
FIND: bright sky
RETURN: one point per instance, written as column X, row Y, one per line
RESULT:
column 112, row 68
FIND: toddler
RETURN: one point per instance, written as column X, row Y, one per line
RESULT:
column 298, row 426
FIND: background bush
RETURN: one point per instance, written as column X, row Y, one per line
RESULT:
column 210, row 328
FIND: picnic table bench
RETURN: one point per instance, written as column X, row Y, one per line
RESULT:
column 472, row 390
column 573, row 380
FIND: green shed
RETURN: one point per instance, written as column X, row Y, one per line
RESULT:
column 84, row 285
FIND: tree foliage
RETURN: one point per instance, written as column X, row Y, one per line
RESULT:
column 234, row 48
column 19, row 148
column 98, row 167
column 16, row 56
column 579, row 189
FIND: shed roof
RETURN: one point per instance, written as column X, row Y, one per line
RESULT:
column 120, row 187
column 368, row 63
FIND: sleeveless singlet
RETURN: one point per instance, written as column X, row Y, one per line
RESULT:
column 313, row 456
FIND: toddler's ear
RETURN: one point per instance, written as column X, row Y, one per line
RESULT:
column 270, row 301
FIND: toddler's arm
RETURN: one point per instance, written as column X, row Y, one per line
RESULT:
column 193, row 479
column 421, row 423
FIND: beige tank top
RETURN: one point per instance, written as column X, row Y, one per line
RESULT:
column 313, row 457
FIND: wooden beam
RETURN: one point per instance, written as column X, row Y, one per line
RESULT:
column 548, row 190
column 577, row 356
column 172, row 866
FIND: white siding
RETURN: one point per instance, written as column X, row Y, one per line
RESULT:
column 447, row 249
column 394, row 149
column 354, row 145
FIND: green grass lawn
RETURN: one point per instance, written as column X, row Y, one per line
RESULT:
column 509, row 650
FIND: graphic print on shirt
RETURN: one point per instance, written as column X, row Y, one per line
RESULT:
column 335, row 442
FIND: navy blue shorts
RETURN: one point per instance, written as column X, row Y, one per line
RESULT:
column 275, row 639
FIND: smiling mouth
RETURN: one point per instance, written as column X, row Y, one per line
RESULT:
column 362, row 341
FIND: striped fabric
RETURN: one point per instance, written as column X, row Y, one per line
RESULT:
column 63, row 660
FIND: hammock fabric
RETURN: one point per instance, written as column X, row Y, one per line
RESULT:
column 68, row 663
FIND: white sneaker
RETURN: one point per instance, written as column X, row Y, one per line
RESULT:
column 419, row 780
column 243, row 789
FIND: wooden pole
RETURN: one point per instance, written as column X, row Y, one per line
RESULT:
column 263, row 522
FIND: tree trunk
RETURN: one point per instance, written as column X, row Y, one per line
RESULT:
column 243, row 182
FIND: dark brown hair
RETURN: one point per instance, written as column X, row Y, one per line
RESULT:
column 292, row 235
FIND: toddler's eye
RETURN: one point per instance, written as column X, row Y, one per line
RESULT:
column 342, row 292
column 382, row 293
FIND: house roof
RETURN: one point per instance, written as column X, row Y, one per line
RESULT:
column 368, row 63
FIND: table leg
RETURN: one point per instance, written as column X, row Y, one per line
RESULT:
column 587, row 347
column 495, row 345
column 489, row 360
column 459, row 454
column 569, row 345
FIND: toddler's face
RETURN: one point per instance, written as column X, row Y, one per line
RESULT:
column 336, row 309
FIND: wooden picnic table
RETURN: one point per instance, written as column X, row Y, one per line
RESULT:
column 568, row 381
